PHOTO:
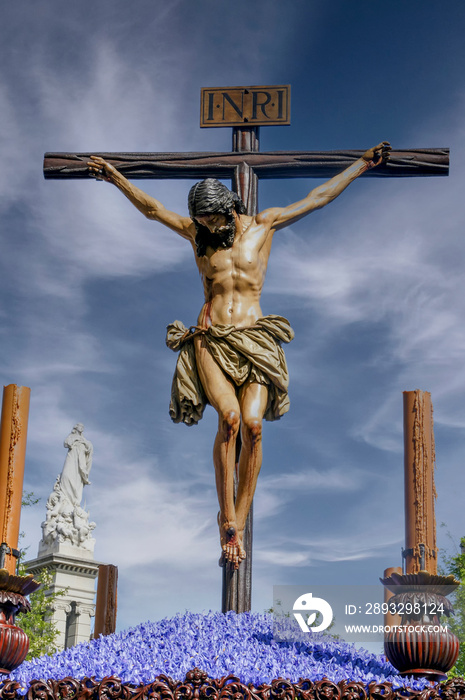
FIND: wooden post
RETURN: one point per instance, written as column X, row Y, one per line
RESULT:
column 13, row 436
column 237, row 583
column 106, row 605
column 420, row 524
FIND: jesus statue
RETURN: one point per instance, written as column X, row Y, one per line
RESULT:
column 233, row 357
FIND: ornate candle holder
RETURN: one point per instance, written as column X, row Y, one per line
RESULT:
column 14, row 642
column 420, row 647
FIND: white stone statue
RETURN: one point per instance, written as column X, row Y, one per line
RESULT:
column 66, row 522
column 78, row 462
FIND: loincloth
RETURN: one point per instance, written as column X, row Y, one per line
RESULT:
column 252, row 354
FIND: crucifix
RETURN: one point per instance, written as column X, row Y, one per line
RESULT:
column 232, row 241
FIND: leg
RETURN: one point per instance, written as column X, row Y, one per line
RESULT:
column 253, row 400
column 221, row 393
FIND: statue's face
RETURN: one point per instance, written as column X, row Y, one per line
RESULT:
column 214, row 222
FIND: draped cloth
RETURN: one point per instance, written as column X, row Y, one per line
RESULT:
column 251, row 354
column 77, row 466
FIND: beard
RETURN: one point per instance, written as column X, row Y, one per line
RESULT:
column 221, row 237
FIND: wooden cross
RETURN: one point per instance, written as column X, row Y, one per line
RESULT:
column 245, row 165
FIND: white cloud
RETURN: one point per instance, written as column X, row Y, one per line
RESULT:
column 89, row 226
column 317, row 549
column 275, row 493
column 167, row 526
column 313, row 480
column 282, row 557
column 14, row 143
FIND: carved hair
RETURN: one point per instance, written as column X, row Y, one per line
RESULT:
column 212, row 197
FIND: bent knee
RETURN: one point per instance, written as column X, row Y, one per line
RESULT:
column 252, row 429
column 230, row 421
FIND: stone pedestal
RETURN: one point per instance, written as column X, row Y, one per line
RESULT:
column 73, row 569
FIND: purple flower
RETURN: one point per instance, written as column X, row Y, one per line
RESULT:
column 218, row 644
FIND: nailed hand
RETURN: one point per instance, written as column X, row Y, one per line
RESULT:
column 100, row 169
column 378, row 154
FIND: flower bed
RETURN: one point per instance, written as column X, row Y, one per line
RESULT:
column 220, row 645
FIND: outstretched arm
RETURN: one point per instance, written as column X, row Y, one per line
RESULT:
column 149, row 206
column 277, row 218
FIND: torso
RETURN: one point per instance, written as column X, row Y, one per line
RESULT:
column 233, row 277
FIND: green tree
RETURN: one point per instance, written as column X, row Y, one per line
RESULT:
column 41, row 631
column 29, row 499
column 455, row 564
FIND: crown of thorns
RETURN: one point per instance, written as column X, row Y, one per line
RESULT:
column 210, row 196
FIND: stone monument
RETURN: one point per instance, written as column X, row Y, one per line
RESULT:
column 66, row 527
column 67, row 545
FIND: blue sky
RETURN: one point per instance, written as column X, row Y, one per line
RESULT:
column 373, row 284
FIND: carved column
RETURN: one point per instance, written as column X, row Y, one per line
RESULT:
column 13, row 435
column 59, row 611
column 78, row 625
column 421, row 646
column 420, row 493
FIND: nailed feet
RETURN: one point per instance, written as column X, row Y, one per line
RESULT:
column 231, row 542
